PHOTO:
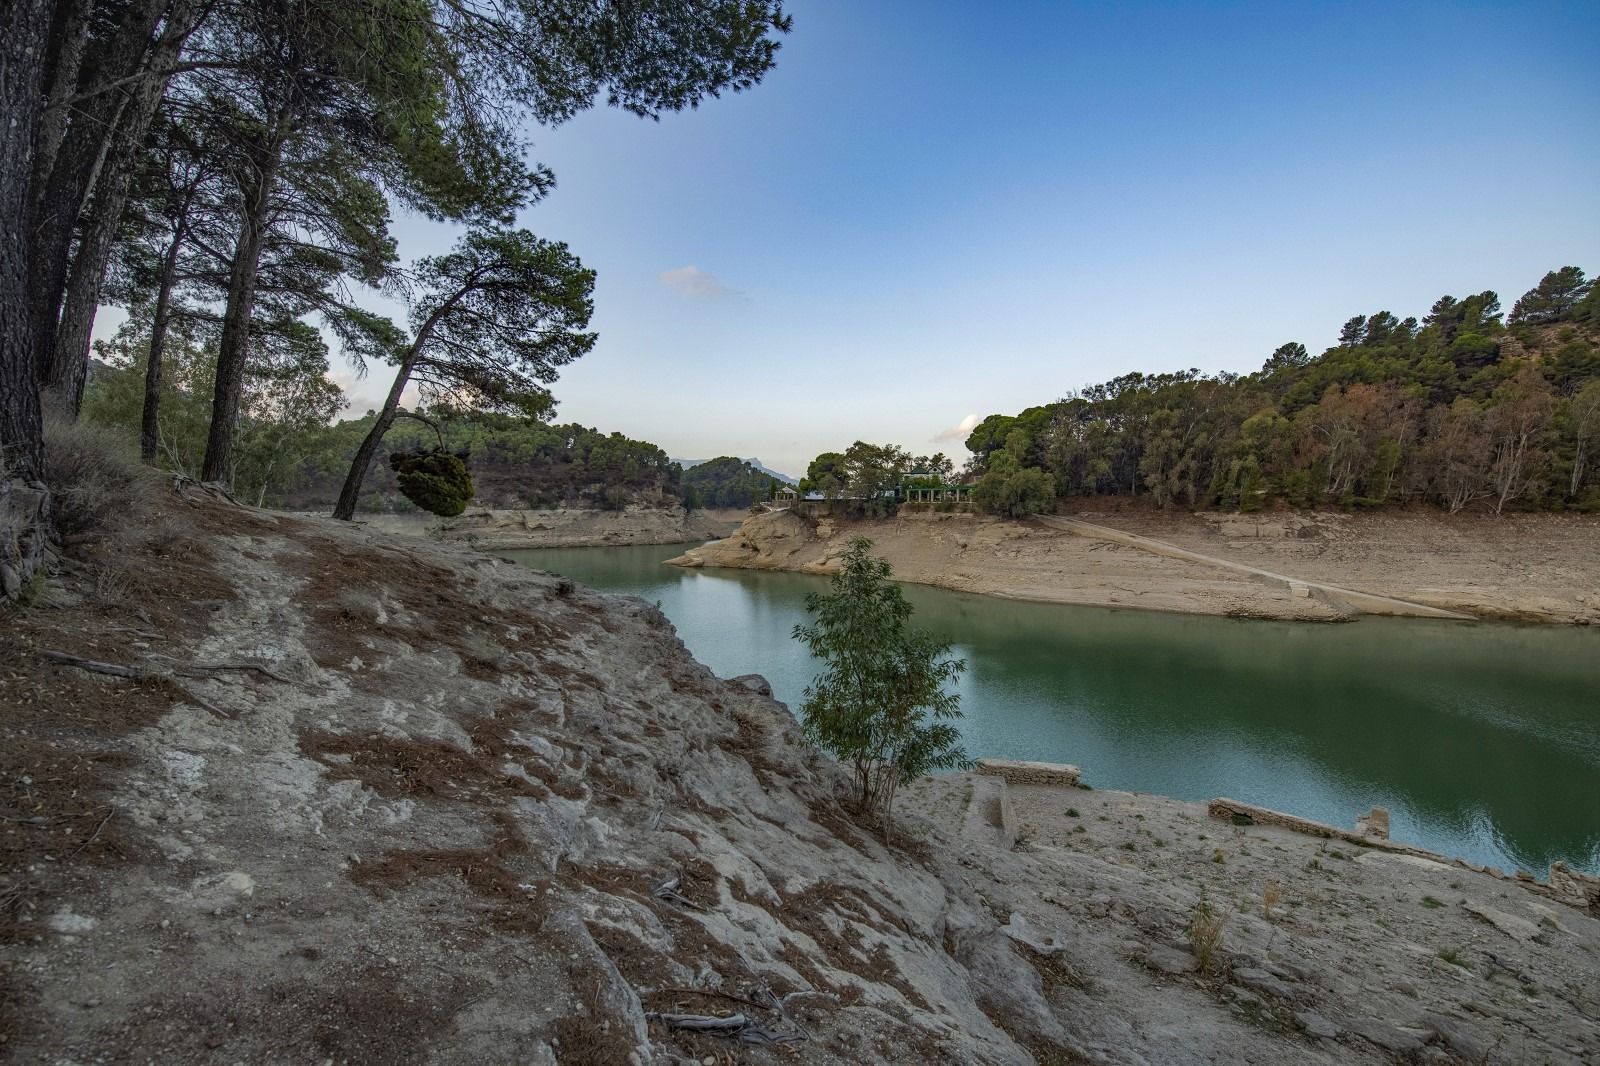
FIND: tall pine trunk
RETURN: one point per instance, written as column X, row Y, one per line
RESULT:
column 23, row 32
column 68, row 368
column 24, row 505
column 346, row 507
column 103, row 107
column 150, row 419
column 233, row 348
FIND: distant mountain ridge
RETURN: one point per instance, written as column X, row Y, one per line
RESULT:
column 785, row 478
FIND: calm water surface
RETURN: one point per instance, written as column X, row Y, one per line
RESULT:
column 1482, row 740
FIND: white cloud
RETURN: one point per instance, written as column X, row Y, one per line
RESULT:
column 958, row 432
column 694, row 283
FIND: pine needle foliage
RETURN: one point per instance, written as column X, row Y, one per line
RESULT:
column 435, row 481
column 882, row 704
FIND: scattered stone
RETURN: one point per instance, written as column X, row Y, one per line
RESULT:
column 1283, row 970
column 1041, row 943
column 1169, row 960
column 1509, row 924
column 65, row 922
column 1264, row 982
column 218, row 893
column 755, row 683
column 1456, row 1036
column 1244, row 997
column 1316, row 1025
column 1389, row 1037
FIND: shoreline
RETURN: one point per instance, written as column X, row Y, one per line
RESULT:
column 1577, row 886
column 1284, row 567
column 493, row 530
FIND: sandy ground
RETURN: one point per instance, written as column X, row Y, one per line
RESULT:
column 1525, row 567
column 1542, row 568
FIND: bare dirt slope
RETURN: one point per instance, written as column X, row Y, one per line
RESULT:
column 373, row 800
column 1543, row 568
column 1019, row 560
column 1523, row 567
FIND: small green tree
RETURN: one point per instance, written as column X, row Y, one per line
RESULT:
column 436, row 481
column 881, row 704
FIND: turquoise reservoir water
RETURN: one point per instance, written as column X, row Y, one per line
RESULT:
column 1482, row 740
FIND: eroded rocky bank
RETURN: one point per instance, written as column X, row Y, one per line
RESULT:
column 561, row 527
column 1307, row 567
column 371, row 799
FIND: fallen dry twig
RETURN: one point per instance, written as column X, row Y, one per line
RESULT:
column 163, row 671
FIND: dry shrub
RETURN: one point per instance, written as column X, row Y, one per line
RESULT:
column 1205, row 933
column 1270, row 895
column 98, row 486
column 113, row 583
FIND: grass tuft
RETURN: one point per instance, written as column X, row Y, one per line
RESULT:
column 1271, row 893
column 1205, row 933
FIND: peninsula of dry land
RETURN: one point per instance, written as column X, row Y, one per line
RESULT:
column 1321, row 566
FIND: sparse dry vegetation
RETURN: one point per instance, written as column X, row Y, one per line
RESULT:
column 98, row 487
column 1271, row 893
column 1206, row 923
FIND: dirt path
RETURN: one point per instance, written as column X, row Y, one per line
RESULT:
column 1363, row 602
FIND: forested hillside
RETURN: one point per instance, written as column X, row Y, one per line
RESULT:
column 1464, row 407
column 288, row 454
column 514, row 463
column 725, row 482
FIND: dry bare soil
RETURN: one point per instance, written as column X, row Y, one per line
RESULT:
column 1533, row 567
column 374, row 800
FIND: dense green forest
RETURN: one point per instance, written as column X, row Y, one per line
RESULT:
column 515, row 463
column 288, row 454
column 1464, row 407
column 725, row 482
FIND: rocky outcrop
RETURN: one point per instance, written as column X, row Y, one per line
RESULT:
column 410, row 803
column 463, row 811
column 1326, row 950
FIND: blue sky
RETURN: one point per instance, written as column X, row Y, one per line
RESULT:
column 931, row 211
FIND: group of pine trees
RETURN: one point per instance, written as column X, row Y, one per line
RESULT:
column 225, row 171
column 726, row 482
column 1466, row 407
column 515, row 463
